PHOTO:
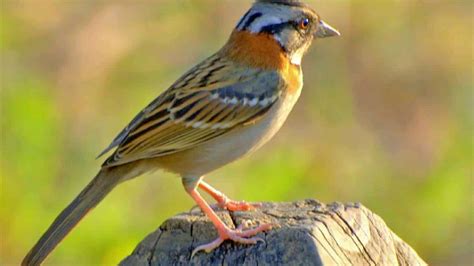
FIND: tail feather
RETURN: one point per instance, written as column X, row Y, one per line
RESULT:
column 90, row 196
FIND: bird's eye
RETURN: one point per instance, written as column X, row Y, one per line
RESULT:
column 304, row 23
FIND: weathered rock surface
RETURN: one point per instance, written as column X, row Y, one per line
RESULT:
column 307, row 233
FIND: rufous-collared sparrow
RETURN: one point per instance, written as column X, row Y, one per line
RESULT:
column 222, row 109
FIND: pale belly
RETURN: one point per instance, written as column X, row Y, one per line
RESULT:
column 225, row 149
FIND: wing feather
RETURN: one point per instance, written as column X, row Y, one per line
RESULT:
column 208, row 101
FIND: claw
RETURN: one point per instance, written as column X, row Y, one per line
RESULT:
column 237, row 236
column 207, row 247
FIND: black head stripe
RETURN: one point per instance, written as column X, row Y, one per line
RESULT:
column 275, row 28
column 251, row 19
column 243, row 19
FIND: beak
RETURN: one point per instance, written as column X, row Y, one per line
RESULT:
column 325, row 30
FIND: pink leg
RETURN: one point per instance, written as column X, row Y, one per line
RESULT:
column 224, row 202
column 225, row 233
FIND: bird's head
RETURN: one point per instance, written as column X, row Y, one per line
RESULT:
column 292, row 24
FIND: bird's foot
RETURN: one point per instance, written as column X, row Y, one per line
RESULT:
column 224, row 202
column 233, row 205
column 242, row 236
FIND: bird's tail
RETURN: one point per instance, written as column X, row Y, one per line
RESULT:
column 90, row 196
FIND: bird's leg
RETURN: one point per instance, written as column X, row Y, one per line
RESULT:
column 225, row 233
column 224, row 202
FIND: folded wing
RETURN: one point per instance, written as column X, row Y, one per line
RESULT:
column 208, row 101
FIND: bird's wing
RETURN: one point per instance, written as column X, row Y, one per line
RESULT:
column 211, row 99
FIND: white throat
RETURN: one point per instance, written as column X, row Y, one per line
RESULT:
column 296, row 57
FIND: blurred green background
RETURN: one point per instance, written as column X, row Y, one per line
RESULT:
column 385, row 119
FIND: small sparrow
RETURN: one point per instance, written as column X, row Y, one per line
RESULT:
column 227, row 106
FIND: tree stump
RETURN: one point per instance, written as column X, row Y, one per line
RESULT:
column 306, row 233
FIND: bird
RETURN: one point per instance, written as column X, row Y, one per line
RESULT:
column 222, row 109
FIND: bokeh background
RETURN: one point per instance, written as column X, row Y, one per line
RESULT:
column 385, row 118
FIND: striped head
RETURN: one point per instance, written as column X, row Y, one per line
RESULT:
column 292, row 24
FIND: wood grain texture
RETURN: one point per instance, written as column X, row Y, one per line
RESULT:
column 307, row 233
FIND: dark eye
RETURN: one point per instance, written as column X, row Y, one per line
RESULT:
column 304, row 23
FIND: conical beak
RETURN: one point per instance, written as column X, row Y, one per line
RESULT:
column 325, row 30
